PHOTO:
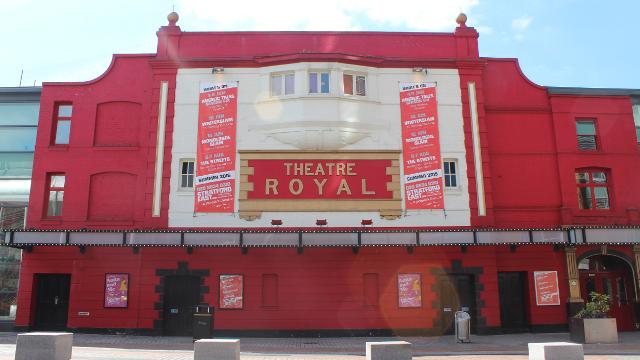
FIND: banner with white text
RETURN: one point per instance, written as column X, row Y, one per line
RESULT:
column 216, row 153
column 421, row 146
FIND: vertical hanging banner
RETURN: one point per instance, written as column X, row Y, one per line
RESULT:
column 216, row 154
column 421, row 146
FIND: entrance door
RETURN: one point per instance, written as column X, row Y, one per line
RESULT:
column 612, row 276
column 52, row 301
column 181, row 295
column 513, row 315
column 457, row 293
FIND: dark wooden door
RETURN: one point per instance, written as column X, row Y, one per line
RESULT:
column 52, row 301
column 618, row 287
column 181, row 295
column 513, row 301
column 456, row 293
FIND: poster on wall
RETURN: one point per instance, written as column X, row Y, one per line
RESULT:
column 421, row 146
column 216, row 150
column 231, row 291
column 547, row 291
column 116, row 290
column 409, row 290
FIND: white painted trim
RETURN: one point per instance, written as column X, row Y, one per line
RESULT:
column 162, row 121
column 477, row 155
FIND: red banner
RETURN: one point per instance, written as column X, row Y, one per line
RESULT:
column 231, row 291
column 216, row 160
column 547, row 291
column 421, row 146
column 319, row 179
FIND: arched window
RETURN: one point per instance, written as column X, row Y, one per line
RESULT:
column 593, row 189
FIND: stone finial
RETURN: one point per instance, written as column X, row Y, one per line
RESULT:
column 173, row 18
column 462, row 19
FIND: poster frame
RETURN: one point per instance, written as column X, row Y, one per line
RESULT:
column 535, row 285
column 220, row 305
column 421, row 290
column 104, row 300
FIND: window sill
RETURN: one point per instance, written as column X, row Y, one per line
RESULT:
column 59, row 147
column 116, row 148
column 453, row 191
column 186, row 192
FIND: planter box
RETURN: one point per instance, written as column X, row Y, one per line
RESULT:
column 593, row 331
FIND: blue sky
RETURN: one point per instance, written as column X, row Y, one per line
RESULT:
column 559, row 43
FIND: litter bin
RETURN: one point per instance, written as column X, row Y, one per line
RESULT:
column 202, row 322
column 462, row 326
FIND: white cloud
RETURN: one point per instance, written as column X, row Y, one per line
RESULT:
column 521, row 23
column 421, row 15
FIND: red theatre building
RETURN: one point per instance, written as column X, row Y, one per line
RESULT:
column 328, row 183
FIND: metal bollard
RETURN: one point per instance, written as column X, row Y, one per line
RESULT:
column 462, row 326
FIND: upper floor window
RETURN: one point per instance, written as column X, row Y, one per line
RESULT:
column 55, row 194
column 593, row 189
column 450, row 174
column 62, row 124
column 186, row 173
column 318, row 83
column 282, row 84
column 354, row 84
column 636, row 121
column 586, row 132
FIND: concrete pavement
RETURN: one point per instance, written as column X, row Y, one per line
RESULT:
column 499, row 347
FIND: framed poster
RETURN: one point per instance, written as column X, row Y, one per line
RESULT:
column 116, row 290
column 231, row 291
column 547, row 291
column 409, row 290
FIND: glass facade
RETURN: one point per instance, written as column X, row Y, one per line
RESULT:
column 19, row 111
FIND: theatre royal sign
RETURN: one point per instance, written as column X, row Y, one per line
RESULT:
column 319, row 181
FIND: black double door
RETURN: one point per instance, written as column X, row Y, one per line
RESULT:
column 457, row 292
column 181, row 296
column 513, row 304
column 52, row 301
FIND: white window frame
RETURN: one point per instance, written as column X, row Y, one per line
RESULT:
column 181, row 174
column 354, row 82
column 319, row 82
column 281, row 77
column 456, row 174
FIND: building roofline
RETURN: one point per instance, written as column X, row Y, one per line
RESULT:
column 21, row 90
column 553, row 90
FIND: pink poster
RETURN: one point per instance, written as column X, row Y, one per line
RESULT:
column 421, row 146
column 231, row 291
column 216, row 150
column 116, row 290
column 409, row 290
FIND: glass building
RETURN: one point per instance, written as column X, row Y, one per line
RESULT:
column 19, row 109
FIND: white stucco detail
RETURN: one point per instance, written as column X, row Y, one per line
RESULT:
column 324, row 121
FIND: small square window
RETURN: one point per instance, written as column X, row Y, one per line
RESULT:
column 62, row 124
column 318, row 83
column 586, row 133
column 187, row 173
column 354, row 82
column 282, row 84
column 450, row 173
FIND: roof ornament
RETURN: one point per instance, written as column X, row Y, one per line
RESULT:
column 173, row 18
column 462, row 20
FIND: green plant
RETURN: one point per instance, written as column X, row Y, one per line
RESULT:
column 597, row 308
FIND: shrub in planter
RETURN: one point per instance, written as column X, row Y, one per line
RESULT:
column 592, row 324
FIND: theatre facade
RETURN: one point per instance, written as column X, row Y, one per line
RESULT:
column 346, row 183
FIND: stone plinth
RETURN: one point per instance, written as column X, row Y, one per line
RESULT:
column 555, row 351
column 217, row 349
column 44, row 346
column 389, row 350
